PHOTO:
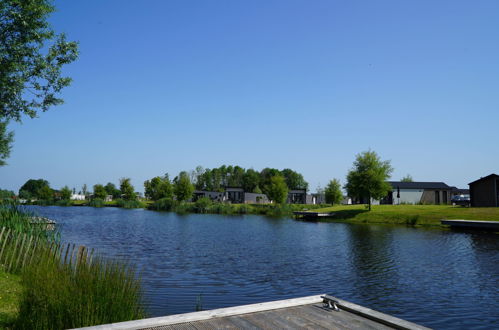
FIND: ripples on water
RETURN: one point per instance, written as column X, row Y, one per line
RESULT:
column 437, row 278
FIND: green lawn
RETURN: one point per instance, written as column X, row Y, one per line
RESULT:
column 10, row 291
column 409, row 214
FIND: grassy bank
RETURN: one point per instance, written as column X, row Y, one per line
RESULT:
column 428, row 215
column 10, row 293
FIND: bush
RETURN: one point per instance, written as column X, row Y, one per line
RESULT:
column 130, row 204
column 96, row 202
column 59, row 295
column 164, row 204
column 202, row 205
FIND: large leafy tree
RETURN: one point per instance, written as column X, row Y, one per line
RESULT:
column 333, row 192
column 251, row 181
column 183, row 187
column 112, row 190
column 158, row 188
column 294, row 180
column 127, row 190
column 32, row 56
column 367, row 178
column 31, row 189
column 277, row 190
column 100, row 191
column 65, row 193
column 6, row 139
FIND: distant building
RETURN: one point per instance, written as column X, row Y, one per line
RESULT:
column 234, row 195
column 316, row 198
column 215, row 196
column 254, row 198
column 418, row 193
column 457, row 192
column 485, row 191
column 77, row 197
column 297, row 196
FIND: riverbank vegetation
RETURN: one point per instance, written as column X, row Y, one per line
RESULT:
column 45, row 285
column 419, row 215
column 206, row 205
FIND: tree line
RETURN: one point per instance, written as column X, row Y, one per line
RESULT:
column 366, row 180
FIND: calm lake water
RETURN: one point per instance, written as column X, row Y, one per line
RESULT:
column 441, row 279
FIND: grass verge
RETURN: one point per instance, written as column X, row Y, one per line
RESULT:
column 422, row 215
column 10, row 293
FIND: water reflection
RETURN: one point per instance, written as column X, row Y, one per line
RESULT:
column 373, row 270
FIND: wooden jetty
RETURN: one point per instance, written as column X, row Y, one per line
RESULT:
column 314, row 312
column 46, row 223
column 472, row 224
column 312, row 214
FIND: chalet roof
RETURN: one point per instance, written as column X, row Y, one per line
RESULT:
column 418, row 185
column 486, row 178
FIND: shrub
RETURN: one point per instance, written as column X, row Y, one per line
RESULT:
column 96, row 202
column 164, row 204
column 129, row 204
column 59, row 295
column 202, row 205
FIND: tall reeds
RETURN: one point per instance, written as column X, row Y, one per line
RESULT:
column 64, row 286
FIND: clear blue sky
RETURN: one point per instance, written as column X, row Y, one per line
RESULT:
column 163, row 86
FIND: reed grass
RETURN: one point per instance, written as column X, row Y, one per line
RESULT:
column 62, row 286
column 59, row 295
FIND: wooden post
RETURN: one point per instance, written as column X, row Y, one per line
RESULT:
column 27, row 251
column 13, row 253
column 4, row 243
column 20, row 253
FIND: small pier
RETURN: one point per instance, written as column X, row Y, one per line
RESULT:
column 472, row 224
column 312, row 214
column 46, row 223
column 314, row 312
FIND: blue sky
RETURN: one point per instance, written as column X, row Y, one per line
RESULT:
column 164, row 86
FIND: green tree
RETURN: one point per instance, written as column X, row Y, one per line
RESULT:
column 294, row 180
column 127, row 190
column 30, row 189
column 6, row 139
column 45, row 193
column 333, row 192
column 65, row 193
column 32, row 56
column 251, row 180
column 158, row 188
column 277, row 190
column 84, row 189
column 367, row 178
column 99, row 191
column 183, row 188
column 112, row 190
column 6, row 194
column 407, row 178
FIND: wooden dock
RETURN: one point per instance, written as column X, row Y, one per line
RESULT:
column 472, row 224
column 314, row 312
column 312, row 214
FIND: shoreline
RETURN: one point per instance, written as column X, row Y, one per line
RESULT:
column 408, row 215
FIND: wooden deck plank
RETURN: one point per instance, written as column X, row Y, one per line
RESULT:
column 214, row 324
column 241, row 323
column 302, row 313
column 343, row 319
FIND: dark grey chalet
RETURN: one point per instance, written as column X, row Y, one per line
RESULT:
column 485, row 191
